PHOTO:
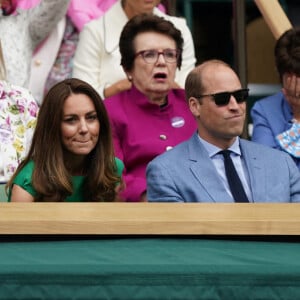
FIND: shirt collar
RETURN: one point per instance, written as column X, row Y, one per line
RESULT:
column 213, row 150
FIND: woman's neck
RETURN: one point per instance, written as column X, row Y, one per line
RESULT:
column 76, row 165
column 130, row 10
column 161, row 102
column 158, row 99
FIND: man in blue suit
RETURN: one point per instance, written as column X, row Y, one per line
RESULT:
column 194, row 170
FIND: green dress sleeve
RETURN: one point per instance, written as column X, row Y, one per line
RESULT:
column 23, row 179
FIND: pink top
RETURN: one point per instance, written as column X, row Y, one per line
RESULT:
column 143, row 130
column 82, row 12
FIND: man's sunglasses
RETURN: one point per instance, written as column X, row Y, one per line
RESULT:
column 223, row 98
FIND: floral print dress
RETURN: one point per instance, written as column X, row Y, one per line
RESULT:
column 18, row 115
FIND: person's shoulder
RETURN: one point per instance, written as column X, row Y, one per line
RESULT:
column 28, row 167
column 15, row 90
column 272, row 160
column 175, row 20
column 270, row 107
column 115, row 106
column 179, row 93
column 272, row 100
column 178, row 98
column 179, row 22
column 24, row 178
column 261, row 150
column 93, row 24
column 19, row 102
column 25, row 174
column 116, row 100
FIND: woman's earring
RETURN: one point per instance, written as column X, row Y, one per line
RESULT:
column 129, row 77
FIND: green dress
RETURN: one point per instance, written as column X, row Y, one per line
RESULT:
column 23, row 179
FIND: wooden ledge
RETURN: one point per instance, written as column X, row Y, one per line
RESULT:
column 150, row 218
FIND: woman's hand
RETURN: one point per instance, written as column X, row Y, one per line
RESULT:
column 291, row 91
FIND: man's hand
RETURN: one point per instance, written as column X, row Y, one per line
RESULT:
column 120, row 86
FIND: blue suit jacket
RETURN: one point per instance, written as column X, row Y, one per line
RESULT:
column 187, row 174
column 271, row 116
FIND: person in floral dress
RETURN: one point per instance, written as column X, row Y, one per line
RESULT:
column 18, row 115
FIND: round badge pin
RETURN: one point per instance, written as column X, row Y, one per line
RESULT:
column 177, row 122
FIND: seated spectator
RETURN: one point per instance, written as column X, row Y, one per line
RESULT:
column 18, row 113
column 276, row 119
column 215, row 165
column 53, row 60
column 71, row 157
column 151, row 117
column 21, row 30
column 97, row 57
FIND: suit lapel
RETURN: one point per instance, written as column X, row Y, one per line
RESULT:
column 254, row 164
column 205, row 172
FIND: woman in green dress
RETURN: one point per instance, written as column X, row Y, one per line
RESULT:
column 71, row 157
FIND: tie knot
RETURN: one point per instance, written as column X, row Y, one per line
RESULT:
column 225, row 153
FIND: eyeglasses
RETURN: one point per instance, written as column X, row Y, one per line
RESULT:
column 151, row 56
column 223, row 98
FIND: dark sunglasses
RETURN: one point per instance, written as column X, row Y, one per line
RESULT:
column 223, row 98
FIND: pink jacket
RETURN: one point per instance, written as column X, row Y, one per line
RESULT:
column 142, row 131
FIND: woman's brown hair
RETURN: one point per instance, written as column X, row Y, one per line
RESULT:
column 50, row 178
column 287, row 52
column 146, row 23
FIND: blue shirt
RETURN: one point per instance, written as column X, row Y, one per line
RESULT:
column 239, row 164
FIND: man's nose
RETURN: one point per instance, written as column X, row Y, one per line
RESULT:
column 233, row 103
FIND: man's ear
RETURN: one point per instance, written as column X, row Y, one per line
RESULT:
column 195, row 106
column 129, row 77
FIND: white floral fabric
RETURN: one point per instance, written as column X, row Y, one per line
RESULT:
column 289, row 140
column 18, row 115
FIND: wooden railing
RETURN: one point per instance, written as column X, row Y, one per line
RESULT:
column 150, row 218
